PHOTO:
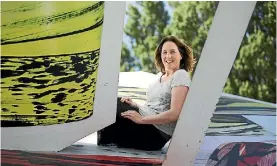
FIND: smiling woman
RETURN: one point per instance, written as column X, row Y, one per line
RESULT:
column 49, row 61
column 172, row 48
column 150, row 126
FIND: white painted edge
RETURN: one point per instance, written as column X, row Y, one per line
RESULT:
column 218, row 55
column 57, row 137
column 247, row 99
column 138, row 79
column 133, row 79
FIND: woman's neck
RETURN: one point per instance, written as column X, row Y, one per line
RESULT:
column 169, row 72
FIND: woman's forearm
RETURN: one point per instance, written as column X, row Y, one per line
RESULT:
column 162, row 118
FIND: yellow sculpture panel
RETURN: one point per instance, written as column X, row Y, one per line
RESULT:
column 49, row 61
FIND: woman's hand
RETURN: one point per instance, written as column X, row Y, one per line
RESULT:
column 133, row 116
column 129, row 101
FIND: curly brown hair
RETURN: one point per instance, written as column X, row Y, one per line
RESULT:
column 187, row 61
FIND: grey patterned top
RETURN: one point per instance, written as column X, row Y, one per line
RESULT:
column 159, row 97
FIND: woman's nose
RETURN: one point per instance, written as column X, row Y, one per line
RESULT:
column 168, row 55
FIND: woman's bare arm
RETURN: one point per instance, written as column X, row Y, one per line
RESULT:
column 178, row 97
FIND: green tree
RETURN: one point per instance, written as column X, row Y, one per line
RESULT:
column 127, row 61
column 254, row 71
column 191, row 22
column 145, row 27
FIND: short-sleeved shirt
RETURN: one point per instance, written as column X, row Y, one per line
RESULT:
column 159, row 97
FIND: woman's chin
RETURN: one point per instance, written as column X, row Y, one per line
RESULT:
column 170, row 68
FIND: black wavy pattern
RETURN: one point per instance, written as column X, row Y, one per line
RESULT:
column 50, row 19
column 37, row 74
column 98, row 24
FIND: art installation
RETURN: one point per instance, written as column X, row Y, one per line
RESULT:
column 52, row 56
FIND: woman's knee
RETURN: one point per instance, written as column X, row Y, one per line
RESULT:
column 119, row 99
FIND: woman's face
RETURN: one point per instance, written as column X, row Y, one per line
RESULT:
column 171, row 56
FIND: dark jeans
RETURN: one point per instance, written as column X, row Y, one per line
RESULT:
column 127, row 134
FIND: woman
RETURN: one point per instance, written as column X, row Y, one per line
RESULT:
column 150, row 127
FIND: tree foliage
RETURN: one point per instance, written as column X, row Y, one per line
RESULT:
column 127, row 62
column 192, row 26
column 254, row 70
column 145, row 26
